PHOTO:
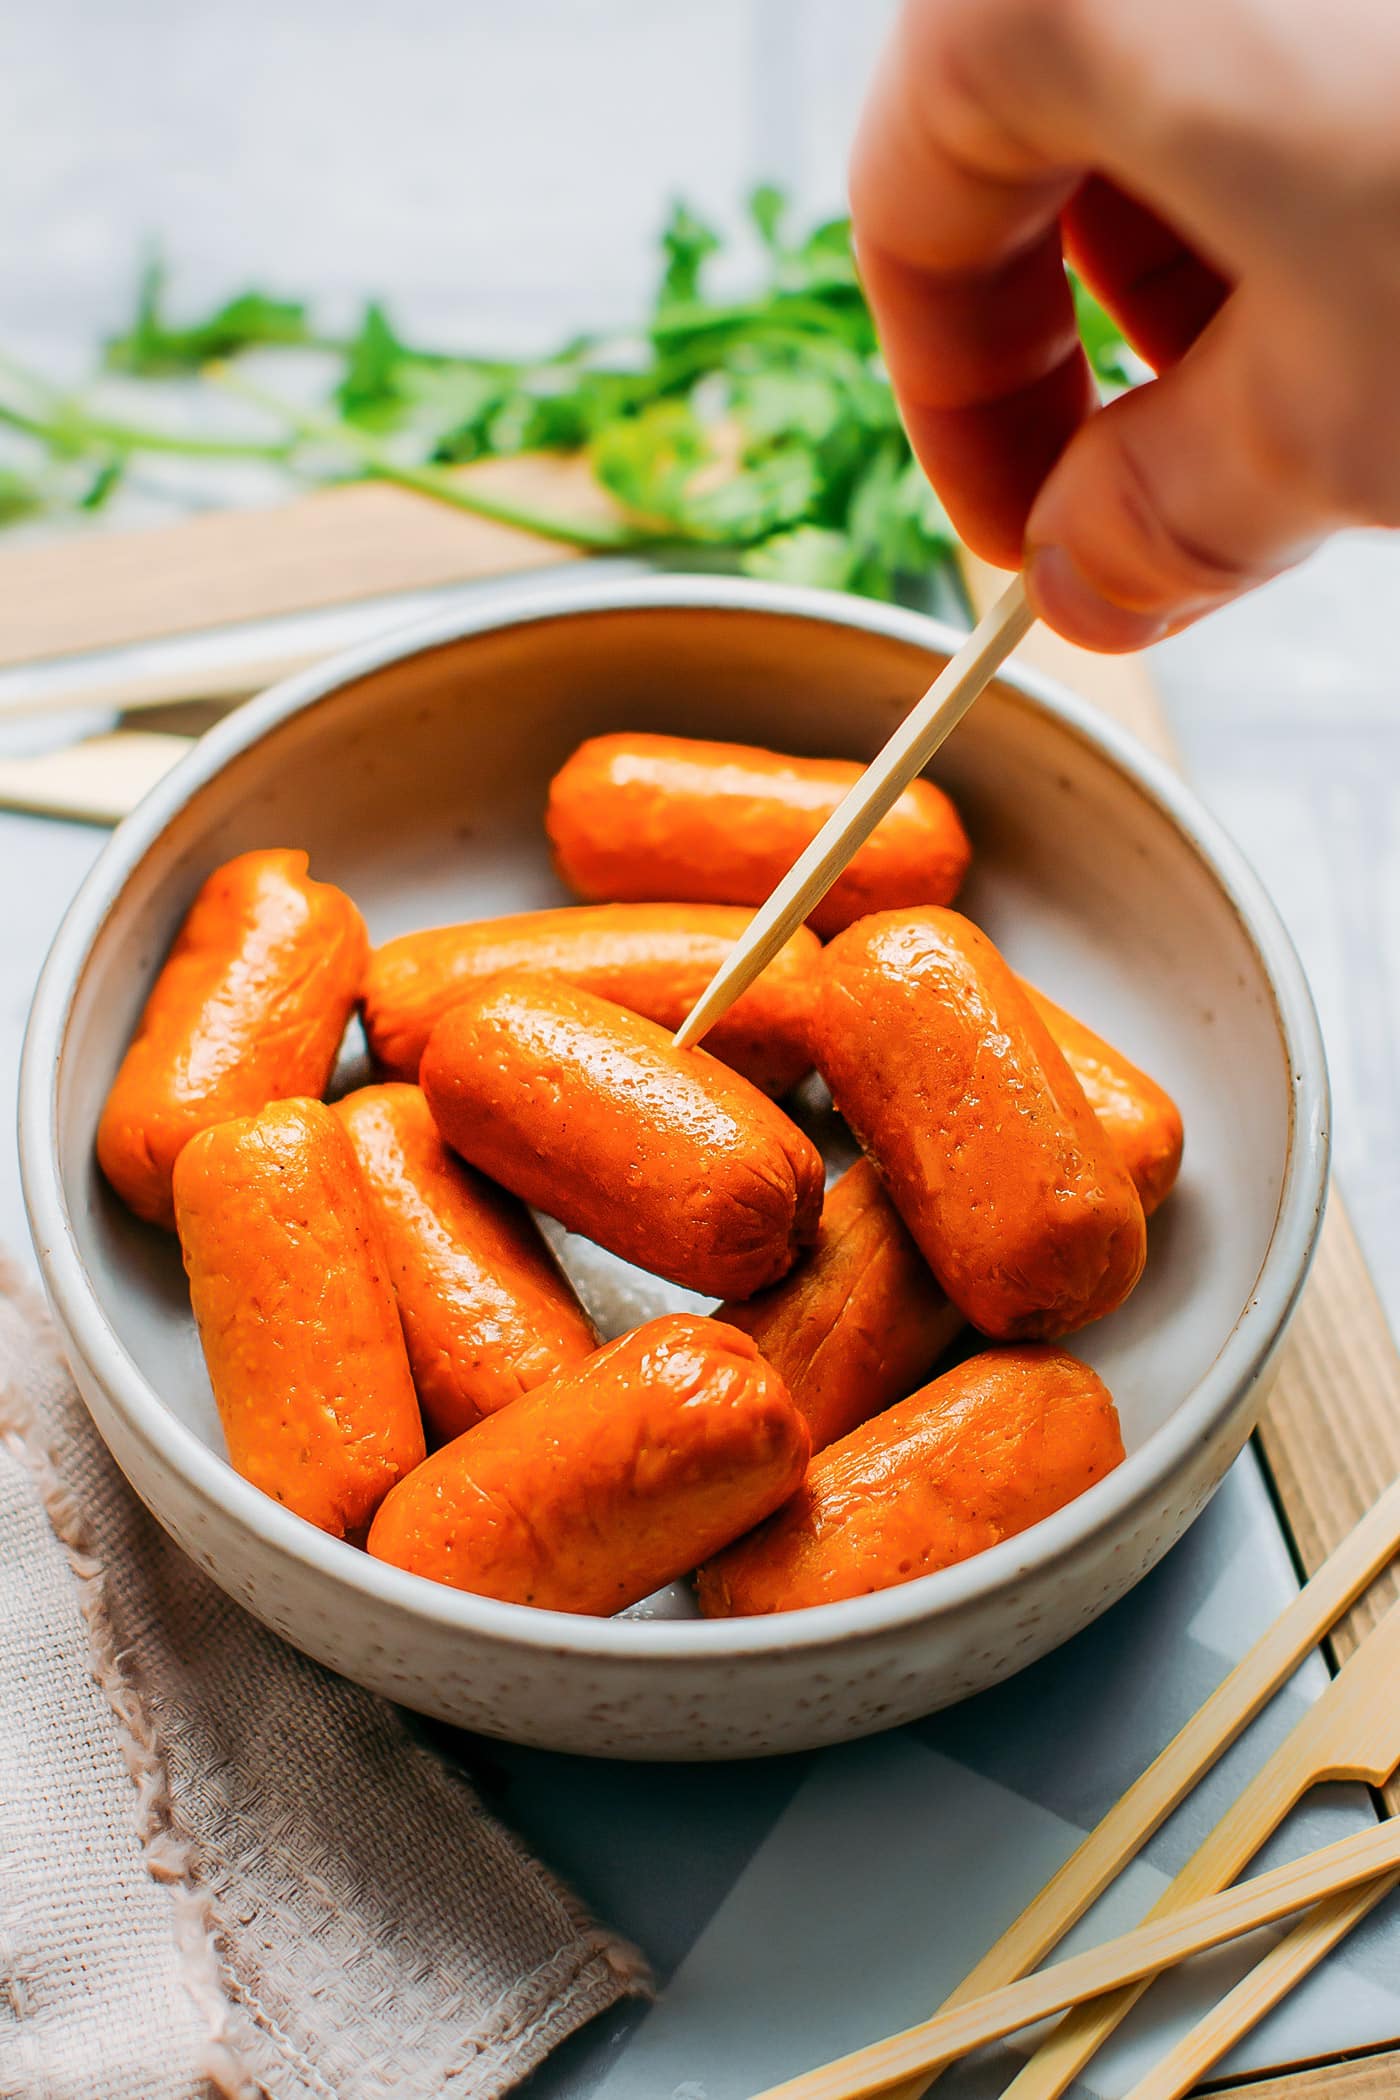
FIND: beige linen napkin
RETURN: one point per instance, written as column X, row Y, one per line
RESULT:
column 222, row 1869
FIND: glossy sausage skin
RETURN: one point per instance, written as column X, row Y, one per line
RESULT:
column 654, row 958
column 983, row 1453
column 995, row 1161
column 249, row 1008
column 634, row 816
column 296, row 1313
column 860, row 1321
column 586, row 1111
column 611, row 1481
column 487, row 1313
column 1140, row 1117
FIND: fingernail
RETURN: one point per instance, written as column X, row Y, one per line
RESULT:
column 1062, row 595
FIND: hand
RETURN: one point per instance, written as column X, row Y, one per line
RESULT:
column 1225, row 175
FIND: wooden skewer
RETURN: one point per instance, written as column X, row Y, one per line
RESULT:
column 1143, row 1809
column 125, row 692
column 1268, row 1981
column 97, row 781
column 1352, row 1732
column 1159, row 1944
column 884, row 780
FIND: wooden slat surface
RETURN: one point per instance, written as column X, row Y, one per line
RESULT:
column 332, row 547
column 1363, row 2078
column 1331, row 1432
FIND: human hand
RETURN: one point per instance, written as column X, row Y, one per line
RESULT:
column 1225, row 176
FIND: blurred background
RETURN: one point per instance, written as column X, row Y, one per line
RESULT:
column 499, row 173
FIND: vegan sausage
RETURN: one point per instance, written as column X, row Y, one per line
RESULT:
column 1140, row 1117
column 296, row 1313
column 634, row 816
column 487, row 1312
column 612, row 1480
column 860, row 1321
column 654, row 958
column 249, row 1007
column 590, row 1113
column 983, row 1453
column 982, row 1135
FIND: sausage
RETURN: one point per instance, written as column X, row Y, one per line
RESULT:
column 487, row 1313
column 296, row 1313
column 860, row 1321
column 654, row 958
column 984, row 1452
column 249, row 1007
column 610, row 1481
column 983, row 1137
column 586, row 1111
column 1140, row 1117
column 632, row 816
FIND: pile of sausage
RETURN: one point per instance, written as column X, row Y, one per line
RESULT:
column 369, row 1284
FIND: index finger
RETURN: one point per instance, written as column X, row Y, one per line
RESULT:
column 957, row 236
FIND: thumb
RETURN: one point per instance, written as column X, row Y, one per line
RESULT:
column 1180, row 495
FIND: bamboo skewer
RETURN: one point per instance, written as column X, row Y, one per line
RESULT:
column 1341, row 1579
column 97, row 781
column 1271, row 1979
column 130, row 692
column 884, row 780
column 1159, row 1944
column 1352, row 1732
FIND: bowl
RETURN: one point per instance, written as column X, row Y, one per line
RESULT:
column 414, row 771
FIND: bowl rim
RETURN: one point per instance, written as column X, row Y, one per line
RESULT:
column 1241, row 1360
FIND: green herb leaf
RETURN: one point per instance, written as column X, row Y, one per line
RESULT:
column 767, row 210
column 152, row 347
column 371, row 386
column 686, row 244
column 778, row 490
column 811, row 554
column 648, row 461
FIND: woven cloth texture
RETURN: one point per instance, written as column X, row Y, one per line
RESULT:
column 222, row 1869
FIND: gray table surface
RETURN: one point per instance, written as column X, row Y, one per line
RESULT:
column 501, row 170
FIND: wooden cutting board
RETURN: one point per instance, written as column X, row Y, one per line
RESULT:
column 1331, row 1431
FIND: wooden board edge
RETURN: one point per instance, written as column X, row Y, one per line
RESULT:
column 1374, row 2077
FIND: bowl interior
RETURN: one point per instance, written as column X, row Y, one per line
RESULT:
column 420, row 788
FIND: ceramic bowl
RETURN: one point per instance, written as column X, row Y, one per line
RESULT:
column 414, row 771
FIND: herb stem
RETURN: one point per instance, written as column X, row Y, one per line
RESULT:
column 73, row 429
column 592, row 536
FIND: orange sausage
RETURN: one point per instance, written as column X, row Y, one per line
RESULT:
column 996, row 1162
column 654, row 958
column 634, row 816
column 609, row 1482
column 859, row 1322
column 249, row 1008
column 296, row 1313
column 1140, row 1117
column 487, row 1313
column 590, row 1113
column 984, row 1452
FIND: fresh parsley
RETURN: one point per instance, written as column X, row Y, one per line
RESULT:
column 761, row 430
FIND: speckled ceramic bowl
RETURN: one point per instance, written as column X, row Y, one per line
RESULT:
column 415, row 773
